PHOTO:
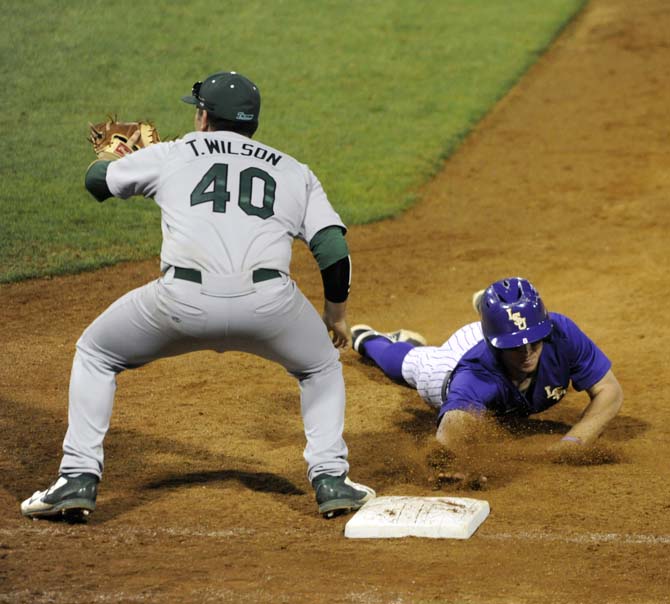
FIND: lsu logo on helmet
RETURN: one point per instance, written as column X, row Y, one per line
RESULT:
column 516, row 317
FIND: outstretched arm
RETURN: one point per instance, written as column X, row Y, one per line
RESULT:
column 456, row 429
column 606, row 400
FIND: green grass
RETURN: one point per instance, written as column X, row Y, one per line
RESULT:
column 372, row 95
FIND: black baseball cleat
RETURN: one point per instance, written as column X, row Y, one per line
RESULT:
column 71, row 497
column 362, row 333
column 339, row 495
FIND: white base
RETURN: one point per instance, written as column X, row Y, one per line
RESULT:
column 436, row 517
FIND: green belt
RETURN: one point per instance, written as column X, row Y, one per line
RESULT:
column 190, row 274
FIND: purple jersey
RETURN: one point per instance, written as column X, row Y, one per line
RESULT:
column 479, row 383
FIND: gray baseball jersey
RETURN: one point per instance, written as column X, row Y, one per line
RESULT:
column 230, row 210
column 228, row 203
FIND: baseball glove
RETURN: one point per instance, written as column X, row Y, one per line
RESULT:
column 112, row 139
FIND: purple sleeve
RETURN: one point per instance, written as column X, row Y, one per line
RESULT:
column 588, row 364
column 469, row 392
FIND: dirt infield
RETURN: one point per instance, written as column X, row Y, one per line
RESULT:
column 205, row 497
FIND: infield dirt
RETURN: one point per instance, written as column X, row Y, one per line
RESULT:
column 205, row 497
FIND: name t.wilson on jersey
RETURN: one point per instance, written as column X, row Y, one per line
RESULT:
column 210, row 146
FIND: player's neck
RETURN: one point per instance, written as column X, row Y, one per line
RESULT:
column 521, row 379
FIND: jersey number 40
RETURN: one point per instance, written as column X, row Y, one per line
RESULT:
column 213, row 187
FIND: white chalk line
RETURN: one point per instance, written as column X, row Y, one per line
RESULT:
column 129, row 531
column 203, row 596
column 583, row 538
column 124, row 533
column 259, row 596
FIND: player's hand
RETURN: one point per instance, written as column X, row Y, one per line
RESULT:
column 334, row 316
column 341, row 334
column 567, row 451
column 565, row 446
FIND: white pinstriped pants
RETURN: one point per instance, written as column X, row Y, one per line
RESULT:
column 427, row 367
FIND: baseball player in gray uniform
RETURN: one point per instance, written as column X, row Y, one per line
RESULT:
column 230, row 210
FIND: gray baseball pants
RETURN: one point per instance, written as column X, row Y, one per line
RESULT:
column 167, row 317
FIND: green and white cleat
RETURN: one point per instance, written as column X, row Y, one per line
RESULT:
column 337, row 495
column 72, row 497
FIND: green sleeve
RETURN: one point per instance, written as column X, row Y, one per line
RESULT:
column 96, row 180
column 328, row 246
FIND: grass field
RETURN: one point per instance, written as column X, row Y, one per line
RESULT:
column 372, row 95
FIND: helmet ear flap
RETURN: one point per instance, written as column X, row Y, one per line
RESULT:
column 513, row 314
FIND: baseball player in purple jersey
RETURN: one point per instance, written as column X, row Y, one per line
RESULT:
column 517, row 361
column 231, row 208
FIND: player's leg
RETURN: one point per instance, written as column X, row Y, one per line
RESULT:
column 428, row 368
column 133, row 331
column 388, row 351
column 403, row 357
column 130, row 333
column 292, row 333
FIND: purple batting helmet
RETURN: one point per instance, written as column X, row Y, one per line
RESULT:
column 513, row 314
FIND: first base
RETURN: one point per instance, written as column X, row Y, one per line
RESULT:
column 437, row 517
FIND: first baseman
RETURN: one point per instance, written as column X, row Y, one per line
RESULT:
column 517, row 361
column 230, row 210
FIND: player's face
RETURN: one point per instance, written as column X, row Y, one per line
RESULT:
column 522, row 359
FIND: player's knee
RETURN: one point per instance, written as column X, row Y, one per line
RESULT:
column 90, row 353
column 329, row 363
